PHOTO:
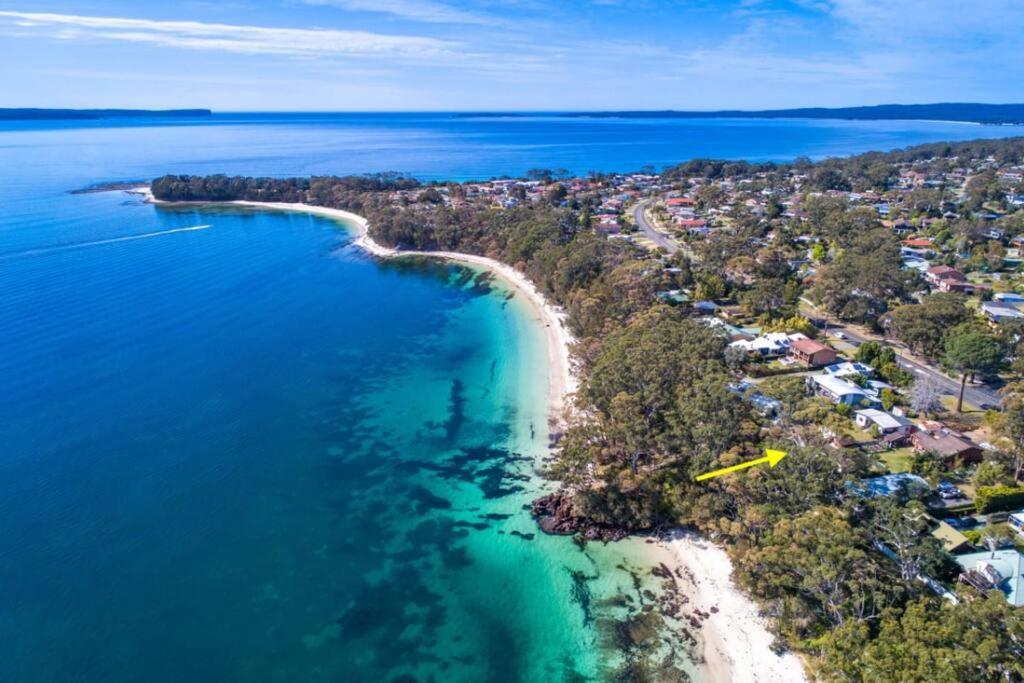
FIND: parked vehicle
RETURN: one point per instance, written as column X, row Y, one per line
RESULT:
column 961, row 522
column 948, row 491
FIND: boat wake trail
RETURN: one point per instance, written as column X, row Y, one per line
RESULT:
column 96, row 243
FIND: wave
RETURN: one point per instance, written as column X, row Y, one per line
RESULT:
column 95, row 243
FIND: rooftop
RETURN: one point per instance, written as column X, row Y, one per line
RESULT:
column 809, row 346
column 1002, row 570
column 883, row 419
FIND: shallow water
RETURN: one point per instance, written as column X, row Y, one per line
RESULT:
column 249, row 452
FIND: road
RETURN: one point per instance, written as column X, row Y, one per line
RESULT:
column 979, row 395
column 659, row 238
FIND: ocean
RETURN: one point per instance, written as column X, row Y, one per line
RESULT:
column 233, row 447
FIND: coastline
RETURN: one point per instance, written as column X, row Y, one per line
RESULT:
column 562, row 381
column 734, row 642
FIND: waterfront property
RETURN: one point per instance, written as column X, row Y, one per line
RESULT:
column 1001, row 570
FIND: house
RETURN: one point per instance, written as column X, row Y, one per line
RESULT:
column 673, row 296
column 939, row 274
column 953, row 542
column 1016, row 522
column 999, row 311
column 922, row 243
column 1001, row 570
column 848, row 369
column 947, row 279
column 952, row 448
column 768, row 407
column 768, row 345
column 811, row 353
column 840, row 390
column 898, row 438
column 886, row 422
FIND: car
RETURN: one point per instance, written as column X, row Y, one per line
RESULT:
column 840, row 335
column 947, row 491
column 969, row 522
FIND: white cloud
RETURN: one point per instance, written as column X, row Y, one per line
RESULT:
column 930, row 20
column 229, row 37
column 415, row 10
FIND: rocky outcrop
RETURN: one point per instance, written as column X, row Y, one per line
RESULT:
column 556, row 513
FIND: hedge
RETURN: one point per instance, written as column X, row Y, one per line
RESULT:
column 997, row 498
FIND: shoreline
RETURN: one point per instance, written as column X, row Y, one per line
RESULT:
column 734, row 642
column 734, row 639
column 562, row 381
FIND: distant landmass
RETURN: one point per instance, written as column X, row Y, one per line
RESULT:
column 966, row 112
column 83, row 114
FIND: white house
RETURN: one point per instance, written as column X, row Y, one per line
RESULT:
column 886, row 422
column 848, row 369
column 768, row 345
column 839, row 390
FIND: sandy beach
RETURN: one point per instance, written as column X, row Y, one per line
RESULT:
column 735, row 642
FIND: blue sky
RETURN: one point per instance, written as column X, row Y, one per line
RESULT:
column 508, row 54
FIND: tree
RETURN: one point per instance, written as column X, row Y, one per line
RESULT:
column 1010, row 425
column 796, row 323
column 923, row 326
column 990, row 473
column 903, row 529
column 926, row 465
column 820, row 559
column 935, row 641
column 926, row 396
column 971, row 351
column 867, row 274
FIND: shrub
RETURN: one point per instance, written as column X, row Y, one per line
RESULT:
column 996, row 498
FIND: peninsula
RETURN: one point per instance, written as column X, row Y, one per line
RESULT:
column 966, row 112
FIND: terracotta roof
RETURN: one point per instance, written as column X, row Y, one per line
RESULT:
column 809, row 346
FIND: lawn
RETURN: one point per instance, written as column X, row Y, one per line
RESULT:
column 898, row 459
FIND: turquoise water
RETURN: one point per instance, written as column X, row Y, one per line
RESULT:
column 234, row 447
column 249, row 452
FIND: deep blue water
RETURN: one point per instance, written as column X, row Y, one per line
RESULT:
column 250, row 452
column 446, row 146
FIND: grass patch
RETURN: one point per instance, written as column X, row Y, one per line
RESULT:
column 898, row 459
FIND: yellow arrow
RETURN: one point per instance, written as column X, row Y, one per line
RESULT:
column 771, row 457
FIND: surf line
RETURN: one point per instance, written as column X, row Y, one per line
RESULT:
column 96, row 243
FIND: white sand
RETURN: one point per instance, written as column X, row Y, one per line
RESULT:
column 736, row 643
column 561, row 378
